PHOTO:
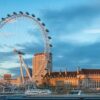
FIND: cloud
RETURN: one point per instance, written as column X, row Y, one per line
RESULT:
column 73, row 56
column 60, row 56
column 4, row 56
column 75, row 35
column 27, row 56
column 75, row 41
column 9, row 64
column 84, row 37
column 71, row 19
column 70, row 22
column 93, row 31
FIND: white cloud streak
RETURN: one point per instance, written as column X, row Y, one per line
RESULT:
column 9, row 64
column 85, row 37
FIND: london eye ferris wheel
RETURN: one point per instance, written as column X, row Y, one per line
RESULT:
column 37, row 24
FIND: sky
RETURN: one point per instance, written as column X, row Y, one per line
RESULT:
column 74, row 26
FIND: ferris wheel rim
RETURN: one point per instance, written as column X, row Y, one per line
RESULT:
column 44, row 30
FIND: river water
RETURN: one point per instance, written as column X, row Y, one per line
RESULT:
column 51, row 97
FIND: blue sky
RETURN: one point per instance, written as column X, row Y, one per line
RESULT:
column 74, row 27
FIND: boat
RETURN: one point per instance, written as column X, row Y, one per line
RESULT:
column 37, row 92
column 76, row 92
column 45, row 92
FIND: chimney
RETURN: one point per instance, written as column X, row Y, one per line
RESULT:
column 66, row 71
column 78, row 69
column 60, row 72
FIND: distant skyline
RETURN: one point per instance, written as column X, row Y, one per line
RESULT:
column 74, row 27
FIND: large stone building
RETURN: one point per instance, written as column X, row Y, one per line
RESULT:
column 81, row 79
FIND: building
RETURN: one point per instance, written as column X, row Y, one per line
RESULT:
column 7, row 76
column 41, row 66
column 16, row 81
column 80, row 79
column 8, row 79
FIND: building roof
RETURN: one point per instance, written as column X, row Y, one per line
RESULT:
column 39, row 54
column 90, row 71
column 61, row 74
column 72, row 74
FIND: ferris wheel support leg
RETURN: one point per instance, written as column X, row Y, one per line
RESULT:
column 21, row 69
column 26, row 68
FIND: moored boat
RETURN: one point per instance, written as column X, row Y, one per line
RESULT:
column 37, row 92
